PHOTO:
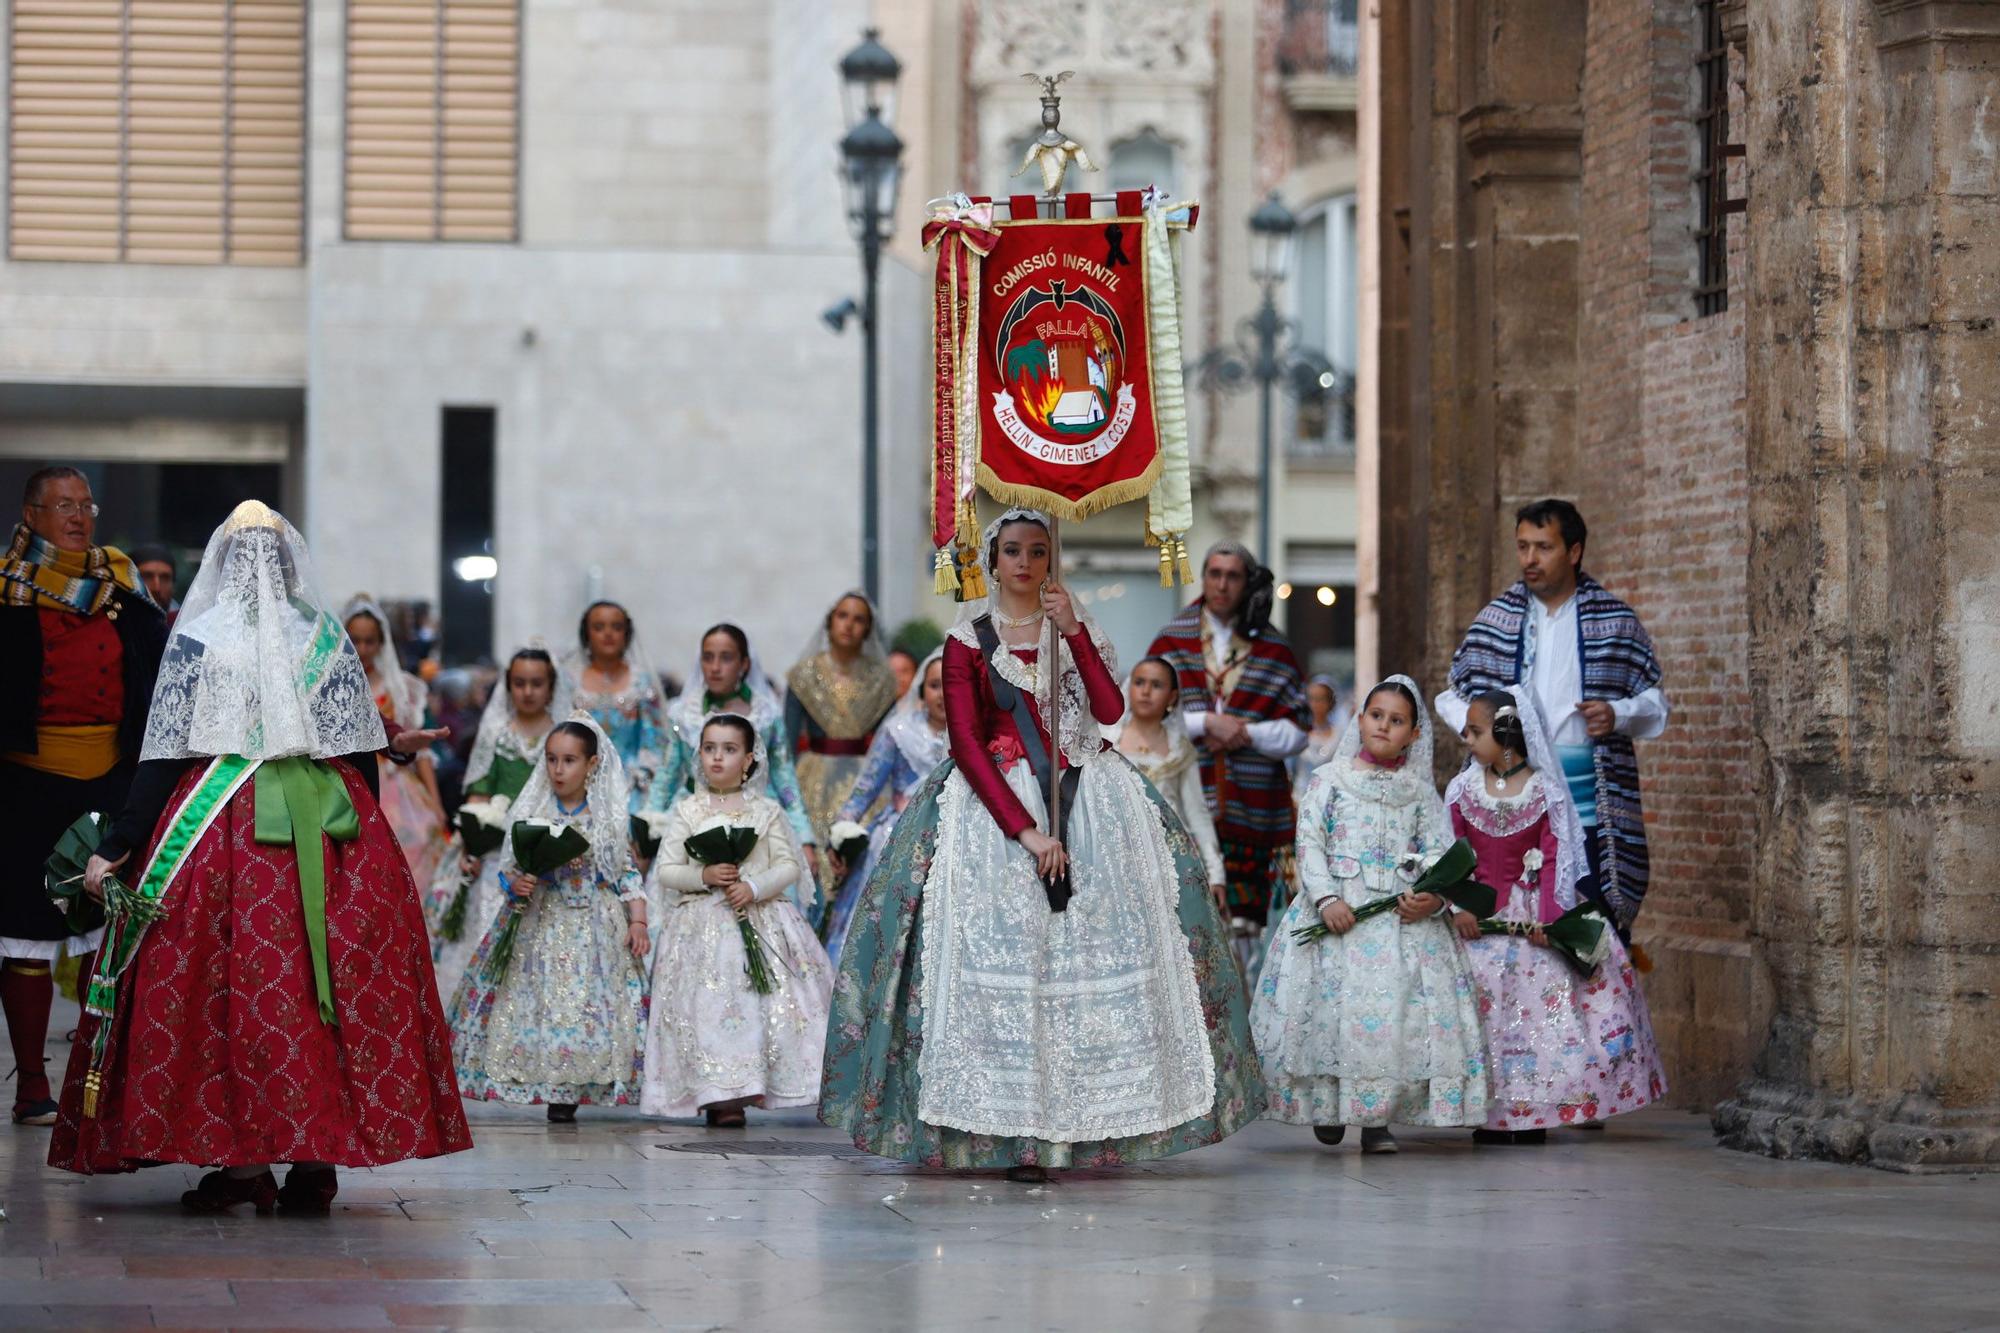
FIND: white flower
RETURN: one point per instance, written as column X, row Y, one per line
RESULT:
column 1531, row 860
column 656, row 823
column 1416, row 865
column 493, row 813
column 845, row 830
column 556, row 827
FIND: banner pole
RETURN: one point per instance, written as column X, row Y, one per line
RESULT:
column 1052, row 673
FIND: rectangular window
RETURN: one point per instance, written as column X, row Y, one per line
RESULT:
column 433, row 96
column 465, row 529
column 1711, row 294
column 157, row 131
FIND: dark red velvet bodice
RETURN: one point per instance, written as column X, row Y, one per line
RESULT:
column 984, row 740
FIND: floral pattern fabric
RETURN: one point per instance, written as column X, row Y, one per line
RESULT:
column 1562, row 1049
column 1379, row 1025
column 567, row 1022
column 875, row 1042
column 904, row 752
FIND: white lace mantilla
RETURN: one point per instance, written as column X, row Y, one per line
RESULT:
column 1065, row 1026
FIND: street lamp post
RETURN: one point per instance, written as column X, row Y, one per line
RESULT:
column 1267, row 352
column 871, row 162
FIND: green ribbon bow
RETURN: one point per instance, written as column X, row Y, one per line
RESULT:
column 299, row 799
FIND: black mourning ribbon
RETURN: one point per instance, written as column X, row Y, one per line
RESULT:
column 1114, row 246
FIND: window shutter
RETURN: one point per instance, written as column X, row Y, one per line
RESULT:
column 158, row 131
column 432, row 105
column 66, row 118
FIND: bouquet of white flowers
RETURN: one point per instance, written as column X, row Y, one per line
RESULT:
column 724, row 840
column 481, row 830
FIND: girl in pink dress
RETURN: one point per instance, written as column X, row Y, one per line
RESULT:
column 1562, row 1049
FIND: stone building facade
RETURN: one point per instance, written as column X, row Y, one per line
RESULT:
column 1783, row 444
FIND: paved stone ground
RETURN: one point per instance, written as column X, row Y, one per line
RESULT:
column 614, row 1223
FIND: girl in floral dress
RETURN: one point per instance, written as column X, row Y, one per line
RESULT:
column 410, row 799
column 565, row 1022
column 1563, row 1049
column 714, row 1043
column 726, row 680
column 1375, row 1022
column 905, row 750
column 1154, row 739
column 507, row 749
column 616, row 685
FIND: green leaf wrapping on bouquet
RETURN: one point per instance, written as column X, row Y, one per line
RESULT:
column 723, row 845
column 1450, row 878
column 643, row 839
column 1581, row 937
column 540, row 848
column 451, row 926
column 479, row 837
column 64, row 876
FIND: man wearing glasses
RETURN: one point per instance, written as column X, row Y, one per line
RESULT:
column 80, row 645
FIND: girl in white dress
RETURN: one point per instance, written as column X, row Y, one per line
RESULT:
column 524, row 704
column 1154, row 739
column 713, row 1042
column 1377, row 1021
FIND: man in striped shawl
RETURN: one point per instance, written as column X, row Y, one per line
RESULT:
column 1590, row 664
column 1243, row 699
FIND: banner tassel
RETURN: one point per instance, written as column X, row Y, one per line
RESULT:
column 1166, row 564
column 945, row 578
column 1187, row 570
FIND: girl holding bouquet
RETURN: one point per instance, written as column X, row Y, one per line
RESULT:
column 1564, row 1047
column 1375, row 1021
column 410, row 797
column 905, row 750
column 263, row 993
column 1010, row 1000
column 465, row 892
column 731, row 683
column 552, row 1007
column 741, row 984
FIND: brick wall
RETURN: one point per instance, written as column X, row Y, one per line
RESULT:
column 1662, row 430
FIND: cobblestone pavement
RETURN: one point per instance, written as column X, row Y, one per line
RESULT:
column 619, row 1222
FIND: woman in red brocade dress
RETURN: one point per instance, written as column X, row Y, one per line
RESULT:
column 264, row 993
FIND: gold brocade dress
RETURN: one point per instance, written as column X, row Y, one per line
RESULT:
column 830, row 717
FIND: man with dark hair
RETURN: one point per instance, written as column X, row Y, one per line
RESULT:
column 1590, row 664
column 156, row 571
column 80, row 645
column 1243, row 698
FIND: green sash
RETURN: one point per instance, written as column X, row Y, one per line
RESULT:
column 298, row 799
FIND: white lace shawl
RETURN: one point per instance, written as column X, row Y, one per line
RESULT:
column 1468, row 789
column 606, row 821
column 497, row 719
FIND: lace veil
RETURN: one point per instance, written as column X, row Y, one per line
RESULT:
column 407, row 694
column 759, row 781
column 910, row 728
column 875, row 647
column 1399, row 785
column 686, row 713
column 498, row 715
column 642, row 678
column 607, row 823
column 258, row 665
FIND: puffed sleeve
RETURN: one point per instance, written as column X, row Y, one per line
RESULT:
column 784, row 785
column 962, row 666
column 1107, row 702
column 876, row 774
column 781, row 871
column 1314, row 854
column 1200, row 823
column 1547, row 895
column 673, row 868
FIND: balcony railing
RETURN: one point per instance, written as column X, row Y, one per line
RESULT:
column 1320, row 37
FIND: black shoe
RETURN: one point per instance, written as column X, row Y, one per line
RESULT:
column 308, row 1191
column 219, row 1191
column 1378, row 1139
column 1329, row 1134
column 42, row 1112
column 1028, row 1175
column 1528, row 1138
column 562, row 1113
column 1493, row 1138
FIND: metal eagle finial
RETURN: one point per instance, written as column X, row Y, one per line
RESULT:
column 1051, row 149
